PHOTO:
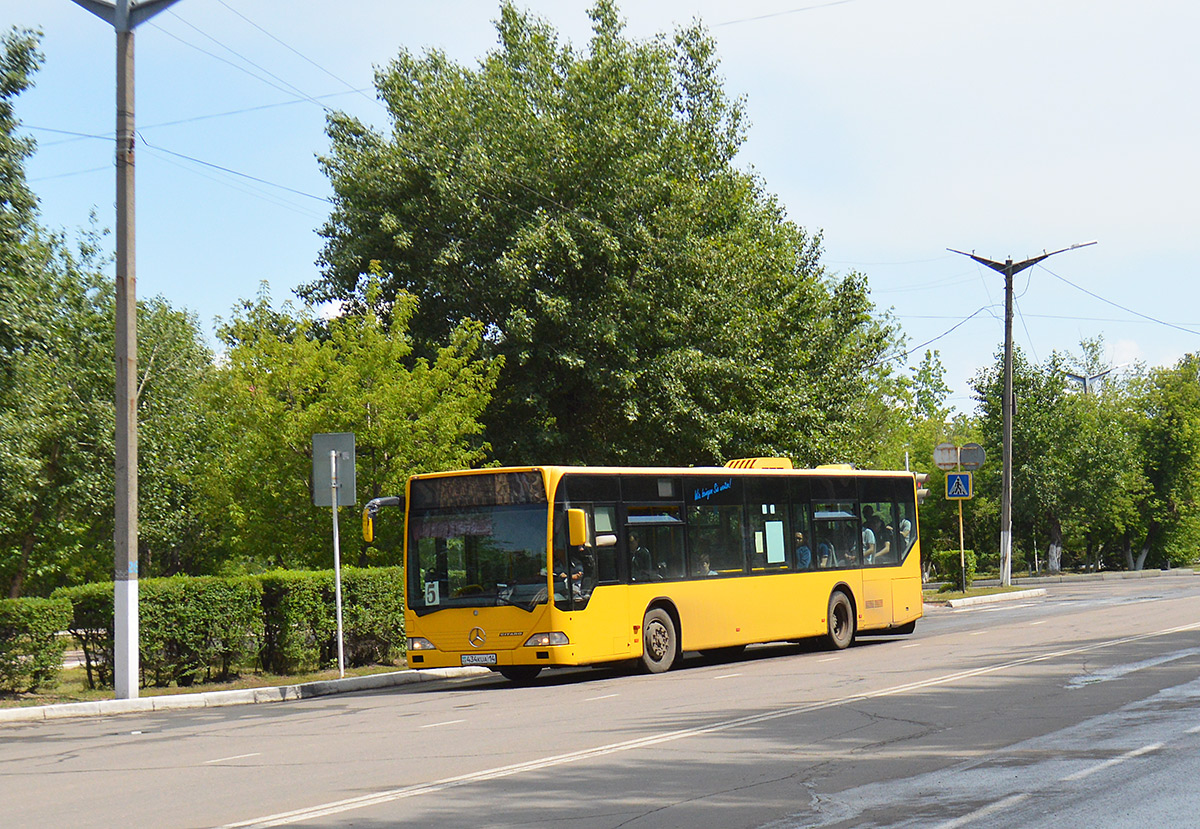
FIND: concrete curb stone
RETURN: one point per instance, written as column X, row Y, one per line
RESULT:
column 242, row 696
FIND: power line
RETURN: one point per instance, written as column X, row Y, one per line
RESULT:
column 783, row 13
column 1118, row 305
column 300, row 54
column 231, row 172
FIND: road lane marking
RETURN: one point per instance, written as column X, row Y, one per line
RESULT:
column 1039, row 622
column 391, row 795
column 1129, row 755
column 234, row 757
column 979, row 633
column 1193, row 730
column 991, row 808
column 447, row 722
column 913, row 645
column 1118, row 671
column 606, row 696
column 726, row 676
column 828, row 659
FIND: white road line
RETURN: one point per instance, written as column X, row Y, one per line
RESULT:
column 1194, row 730
column 991, row 808
column 828, row 659
column 1118, row 671
column 726, row 676
column 447, row 722
column 606, row 696
column 913, row 645
column 234, row 757
column 391, row 795
column 1129, row 755
column 979, row 633
column 1039, row 622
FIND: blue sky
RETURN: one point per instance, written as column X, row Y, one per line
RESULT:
column 898, row 128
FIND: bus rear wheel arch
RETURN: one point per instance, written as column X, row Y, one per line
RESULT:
column 660, row 640
column 841, row 621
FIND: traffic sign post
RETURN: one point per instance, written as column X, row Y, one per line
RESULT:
column 334, row 486
column 960, row 485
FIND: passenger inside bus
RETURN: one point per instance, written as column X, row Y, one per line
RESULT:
column 640, row 566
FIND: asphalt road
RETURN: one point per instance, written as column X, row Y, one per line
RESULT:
column 1080, row 708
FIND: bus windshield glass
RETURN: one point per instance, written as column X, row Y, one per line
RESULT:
column 463, row 554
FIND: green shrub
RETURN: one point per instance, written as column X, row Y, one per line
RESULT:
column 948, row 567
column 92, row 626
column 372, row 615
column 197, row 627
column 300, row 618
column 31, row 651
column 295, row 622
column 193, row 628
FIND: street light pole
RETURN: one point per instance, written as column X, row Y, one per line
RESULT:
column 1009, row 268
column 124, row 15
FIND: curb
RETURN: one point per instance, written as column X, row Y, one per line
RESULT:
column 992, row 598
column 244, row 696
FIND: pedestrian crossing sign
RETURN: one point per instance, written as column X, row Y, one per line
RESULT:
column 959, row 486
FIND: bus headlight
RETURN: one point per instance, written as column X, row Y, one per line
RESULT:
column 543, row 640
column 419, row 643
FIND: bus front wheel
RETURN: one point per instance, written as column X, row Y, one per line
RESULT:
column 841, row 621
column 660, row 641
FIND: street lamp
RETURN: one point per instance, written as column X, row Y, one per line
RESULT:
column 1008, row 268
column 123, row 16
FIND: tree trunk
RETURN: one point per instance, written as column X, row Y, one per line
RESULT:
column 1151, row 533
column 18, row 581
column 1054, row 555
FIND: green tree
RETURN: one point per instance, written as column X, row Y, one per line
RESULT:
column 1165, row 420
column 651, row 302
column 286, row 376
column 57, row 379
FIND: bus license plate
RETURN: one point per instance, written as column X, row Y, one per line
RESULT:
column 479, row 659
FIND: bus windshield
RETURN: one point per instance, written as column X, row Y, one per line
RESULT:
column 477, row 556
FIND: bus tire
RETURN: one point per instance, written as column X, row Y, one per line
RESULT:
column 520, row 673
column 660, row 641
column 841, row 621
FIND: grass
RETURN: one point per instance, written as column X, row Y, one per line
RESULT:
column 938, row 597
column 72, row 686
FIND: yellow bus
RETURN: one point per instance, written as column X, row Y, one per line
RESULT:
column 520, row 569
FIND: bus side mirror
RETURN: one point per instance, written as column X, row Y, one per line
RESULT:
column 576, row 527
column 368, row 527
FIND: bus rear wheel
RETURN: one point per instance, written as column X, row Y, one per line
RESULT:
column 660, row 641
column 841, row 621
column 520, row 673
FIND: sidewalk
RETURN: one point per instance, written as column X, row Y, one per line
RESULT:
column 213, row 699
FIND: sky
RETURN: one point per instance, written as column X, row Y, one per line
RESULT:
column 896, row 128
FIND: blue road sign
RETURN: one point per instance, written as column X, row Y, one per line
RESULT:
column 959, row 486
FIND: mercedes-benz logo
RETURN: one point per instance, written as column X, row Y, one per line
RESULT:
column 477, row 637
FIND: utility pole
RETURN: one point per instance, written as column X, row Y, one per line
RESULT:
column 1008, row 268
column 123, row 16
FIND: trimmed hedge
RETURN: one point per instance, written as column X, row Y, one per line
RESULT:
column 198, row 628
column 948, row 565
column 300, row 618
column 195, row 628
column 92, row 626
column 31, row 652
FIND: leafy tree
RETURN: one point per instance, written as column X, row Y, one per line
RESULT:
column 1165, row 421
column 651, row 302
column 57, row 379
column 286, row 376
